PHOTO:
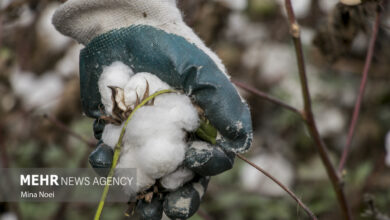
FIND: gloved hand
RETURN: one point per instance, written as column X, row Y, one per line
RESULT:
column 150, row 36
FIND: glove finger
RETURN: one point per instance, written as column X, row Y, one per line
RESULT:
column 184, row 202
column 98, row 128
column 150, row 211
column 207, row 160
column 101, row 159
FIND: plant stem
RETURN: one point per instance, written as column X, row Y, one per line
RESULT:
column 117, row 150
column 267, row 97
column 285, row 188
column 356, row 112
column 308, row 114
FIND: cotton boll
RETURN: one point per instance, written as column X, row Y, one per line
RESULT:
column 111, row 134
column 127, row 160
column 360, row 43
column 275, row 60
column 47, row 34
column 117, row 74
column 181, row 110
column 160, row 157
column 307, row 35
column 330, row 121
column 301, row 7
column 154, row 142
column 37, row 92
column 155, row 149
column 239, row 23
column 177, row 179
column 159, row 134
column 138, row 84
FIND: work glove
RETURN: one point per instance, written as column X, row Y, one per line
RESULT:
column 150, row 36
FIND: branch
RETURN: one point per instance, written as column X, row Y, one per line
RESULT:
column 285, row 188
column 309, row 117
column 267, row 97
column 356, row 112
column 91, row 143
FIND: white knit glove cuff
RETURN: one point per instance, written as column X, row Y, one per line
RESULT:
column 85, row 19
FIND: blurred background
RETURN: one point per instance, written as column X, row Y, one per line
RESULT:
column 39, row 96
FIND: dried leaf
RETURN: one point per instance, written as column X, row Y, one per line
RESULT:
column 146, row 94
column 149, row 197
column 117, row 108
column 138, row 100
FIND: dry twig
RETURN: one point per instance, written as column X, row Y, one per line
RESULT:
column 309, row 117
column 285, row 188
column 356, row 111
column 267, row 97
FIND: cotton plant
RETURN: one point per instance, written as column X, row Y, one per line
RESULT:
column 176, row 141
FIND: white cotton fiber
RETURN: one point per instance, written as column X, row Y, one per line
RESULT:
column 155, row 138
column 177, row 178
column 129, row 159
column 37, row 92
column 138, row 84
column 117, row 74
column 111, row 134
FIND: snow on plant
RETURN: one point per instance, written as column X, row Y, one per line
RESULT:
column 155, row 137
